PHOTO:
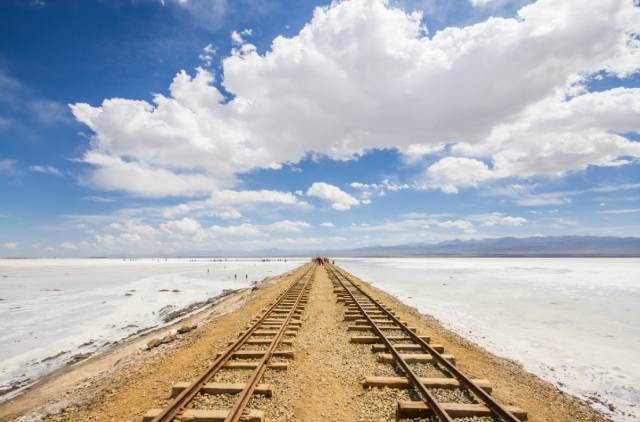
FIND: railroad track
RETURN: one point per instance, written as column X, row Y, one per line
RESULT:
column 253, row 351
column 374, row 323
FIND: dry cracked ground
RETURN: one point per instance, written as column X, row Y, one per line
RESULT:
column 323, row 382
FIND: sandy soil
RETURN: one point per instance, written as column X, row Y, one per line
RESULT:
column 323, row 381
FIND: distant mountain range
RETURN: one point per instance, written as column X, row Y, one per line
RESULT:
column 591, row 246
column 543, row 246
column 508, row 246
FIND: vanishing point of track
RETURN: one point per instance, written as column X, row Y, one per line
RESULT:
column 399, row 345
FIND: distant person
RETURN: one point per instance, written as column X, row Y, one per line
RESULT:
column 235, row 276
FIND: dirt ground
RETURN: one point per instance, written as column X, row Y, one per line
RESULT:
column 323, row 382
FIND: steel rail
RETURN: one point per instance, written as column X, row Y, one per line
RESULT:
column 235, row 413
column 179, row 404
column 440, row 413
column 485, row 397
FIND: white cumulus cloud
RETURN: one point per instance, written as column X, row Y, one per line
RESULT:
column 513, row 221
column 495, row 92
column 339, row 199
column 288, row 226
column 452, row 172
column 185, row 227
column 228, row 214
column 456, row 224
column 221, row 201
column 497, row 218
column 484, row 3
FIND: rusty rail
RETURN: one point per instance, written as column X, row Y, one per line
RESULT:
column 236, row 412
column 497, row 409
column 179, row 404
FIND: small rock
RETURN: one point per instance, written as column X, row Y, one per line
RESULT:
column 160, row 341
column 77, row 358
column 186, row 329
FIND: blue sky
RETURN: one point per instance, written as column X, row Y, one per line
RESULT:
column 210, row 126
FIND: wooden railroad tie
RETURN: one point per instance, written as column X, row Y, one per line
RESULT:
column 377, row 321
column 382, row 327
column 295, row 323
column 198, row 415
column 406, row 347
column 264, row 342
column 223, row 388
column 414, row 358
column 352, row 317
column 238, row 364
column 271, row 333
column 279, row 319
column 269, row 327
column 376, row 339
column 249, row 354
column 403, row 382
column 418, row 409
column 358, row 314
column 286, row 312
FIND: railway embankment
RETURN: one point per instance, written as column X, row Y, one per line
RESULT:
column 322, row 369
